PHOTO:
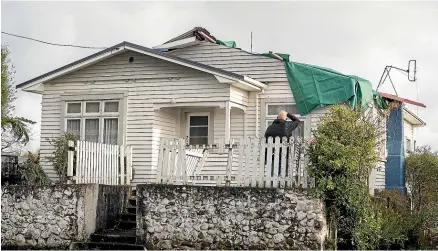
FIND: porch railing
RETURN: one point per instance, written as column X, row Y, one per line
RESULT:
column 252, row 162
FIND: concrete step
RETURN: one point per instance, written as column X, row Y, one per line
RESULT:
column 133, row 202
column 127, row 224
column 104, row 246
column 131, row 210
column 128, row 216
column 116, row 236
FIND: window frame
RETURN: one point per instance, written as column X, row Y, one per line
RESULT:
column 264, row 118
column 408, row 145
column 91, row 113
column 73, row 114
column 102, row 99
column 190, row 114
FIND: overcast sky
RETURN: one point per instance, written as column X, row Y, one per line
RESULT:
column 357, row 38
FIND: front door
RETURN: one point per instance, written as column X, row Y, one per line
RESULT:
column 198, row 128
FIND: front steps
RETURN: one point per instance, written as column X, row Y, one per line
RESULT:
column 122, row 237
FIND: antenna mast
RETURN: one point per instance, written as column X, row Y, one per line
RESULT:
column 251, row 41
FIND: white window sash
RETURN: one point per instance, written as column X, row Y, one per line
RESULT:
column 194, row 114
column 101, row 115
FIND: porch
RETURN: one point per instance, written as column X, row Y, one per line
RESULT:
column 201, row 123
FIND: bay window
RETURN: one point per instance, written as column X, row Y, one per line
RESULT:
column 94, row 121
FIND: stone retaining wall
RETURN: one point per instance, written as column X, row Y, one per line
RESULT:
column 228, row 218
column 53, row 216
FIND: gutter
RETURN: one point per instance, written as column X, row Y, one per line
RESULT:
column 415, row 116
column 254, row 82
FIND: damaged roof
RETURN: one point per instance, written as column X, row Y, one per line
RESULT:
column 403, row 100
column 192, row 33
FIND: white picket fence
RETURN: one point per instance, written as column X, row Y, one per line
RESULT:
column 91, row 162
column 284, row 168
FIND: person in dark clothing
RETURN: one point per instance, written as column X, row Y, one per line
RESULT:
column 281, row 128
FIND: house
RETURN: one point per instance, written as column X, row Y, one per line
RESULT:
column 189, row 87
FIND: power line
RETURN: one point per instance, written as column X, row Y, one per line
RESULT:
column 63, row 45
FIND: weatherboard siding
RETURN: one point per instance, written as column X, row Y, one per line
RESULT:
column 408, row 134
column 145, row 81
column 258, row 67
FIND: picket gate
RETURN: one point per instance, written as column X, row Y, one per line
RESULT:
column 91, row 162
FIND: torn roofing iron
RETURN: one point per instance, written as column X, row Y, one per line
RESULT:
column 141, row 48
column 403, row 100
column 192, row 33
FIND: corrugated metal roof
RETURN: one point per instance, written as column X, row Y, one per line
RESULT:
column 403, row 100
column 138, row 47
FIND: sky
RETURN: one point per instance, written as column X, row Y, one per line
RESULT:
column 357, row 38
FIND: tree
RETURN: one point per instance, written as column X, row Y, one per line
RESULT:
column 15, row 130
column 422, row 183
column 342, row 155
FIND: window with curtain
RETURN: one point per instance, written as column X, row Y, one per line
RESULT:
column 110, row 130
column 92, row 130
column 93, row 121
column 74, row 127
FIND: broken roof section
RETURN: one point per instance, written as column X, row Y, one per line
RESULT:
column 391, row 97
column 197, row 32
column 192, row 37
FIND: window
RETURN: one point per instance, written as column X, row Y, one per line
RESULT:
column 408, row 145
column 74, row 127
column 92, row 107
column 73, row 108
column 87, row 121
column 198, row 129
column 273, row 109
column 110, row 131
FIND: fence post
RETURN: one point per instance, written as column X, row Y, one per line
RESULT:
column 71, row 152
column 129, row 165
column 229, row 164
column 122, row 165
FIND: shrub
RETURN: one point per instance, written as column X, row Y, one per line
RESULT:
column 31, row 171
column 59, row 157
column 342, row 155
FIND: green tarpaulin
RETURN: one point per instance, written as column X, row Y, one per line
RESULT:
column 315, row 86
column 227, row 43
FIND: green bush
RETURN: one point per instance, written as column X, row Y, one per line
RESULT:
column 31, row 172
column 342, row 155
column 59, row 157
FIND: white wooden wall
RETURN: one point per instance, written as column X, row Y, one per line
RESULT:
column 408, row 134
